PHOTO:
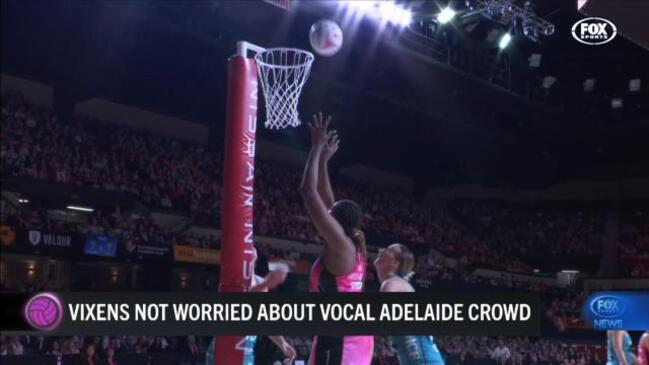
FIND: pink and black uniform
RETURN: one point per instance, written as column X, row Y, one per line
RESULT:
column 340, row 350
column 643, row 350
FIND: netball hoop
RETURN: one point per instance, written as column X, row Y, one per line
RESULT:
column 283, row 73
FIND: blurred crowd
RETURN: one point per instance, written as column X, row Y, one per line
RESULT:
column 430, row 272
column 169, row 174
column 70, row 345
column 161, row 171
column 130, row 229
column 634, row 244
column 165, row 173
column 520, row 350
column 455, row 349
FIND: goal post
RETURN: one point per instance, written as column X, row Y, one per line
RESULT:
column 237, row 247
column 284, row 72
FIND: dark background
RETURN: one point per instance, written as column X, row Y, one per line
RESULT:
column 399, row 110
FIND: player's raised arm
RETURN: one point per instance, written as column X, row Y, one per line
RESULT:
column 340, row 251
column 324, row 183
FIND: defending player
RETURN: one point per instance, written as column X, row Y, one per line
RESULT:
column 394, row 267
column 618, row 344
column 271, row 281
column 341, row 266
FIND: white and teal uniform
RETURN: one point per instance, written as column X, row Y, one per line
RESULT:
column 611, row 358
column 416, row 350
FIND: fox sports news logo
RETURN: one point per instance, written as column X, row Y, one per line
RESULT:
column 608, row 306
column 594, row 31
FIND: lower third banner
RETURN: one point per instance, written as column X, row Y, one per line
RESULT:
column 441, row 312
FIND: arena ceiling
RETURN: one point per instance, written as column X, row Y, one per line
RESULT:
column 395, row 107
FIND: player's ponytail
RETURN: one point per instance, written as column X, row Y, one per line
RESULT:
column 349, row 214
column 358, row 237
column 406, row 262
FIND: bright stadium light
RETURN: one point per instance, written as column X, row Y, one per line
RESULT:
column 81, row 209
column 504, row 40
column 361, row 5
column 23, row 201
column 405, row 17
column 388, row 10
column 446, row 15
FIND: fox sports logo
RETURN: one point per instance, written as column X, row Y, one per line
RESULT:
column 594, row 31
column 608, row 306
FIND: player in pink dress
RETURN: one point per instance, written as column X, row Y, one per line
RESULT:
column 341, row 266
column 643, row 349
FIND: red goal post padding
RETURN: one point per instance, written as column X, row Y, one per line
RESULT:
column 237, row 248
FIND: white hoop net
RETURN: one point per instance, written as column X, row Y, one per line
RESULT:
column 283, row 72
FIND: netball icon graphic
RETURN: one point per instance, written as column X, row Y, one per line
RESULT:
column 44, row 311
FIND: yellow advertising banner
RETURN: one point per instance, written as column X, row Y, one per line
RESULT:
column 197, row 254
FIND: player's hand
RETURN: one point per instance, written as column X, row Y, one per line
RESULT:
column 318, row 127
column 331, row 146
column 289, row 353
column 275, row 278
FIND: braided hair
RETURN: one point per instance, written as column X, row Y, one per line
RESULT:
column 350, row 215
